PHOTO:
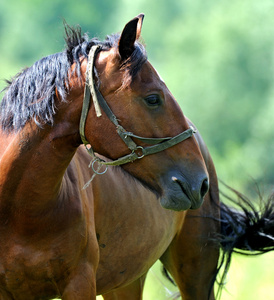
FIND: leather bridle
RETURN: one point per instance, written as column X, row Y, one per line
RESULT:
column 137, row 152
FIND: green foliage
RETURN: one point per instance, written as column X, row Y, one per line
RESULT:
column 216, row 57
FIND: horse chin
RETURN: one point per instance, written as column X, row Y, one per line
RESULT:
column 179, row 202
column 175, row 203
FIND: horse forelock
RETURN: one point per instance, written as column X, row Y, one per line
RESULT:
column 31, row 93
column 134, row 63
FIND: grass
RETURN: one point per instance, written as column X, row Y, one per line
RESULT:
column 249, row 278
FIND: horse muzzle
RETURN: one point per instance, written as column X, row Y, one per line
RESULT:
column 183, row 192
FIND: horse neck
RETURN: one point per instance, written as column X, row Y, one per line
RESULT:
column 33, row 165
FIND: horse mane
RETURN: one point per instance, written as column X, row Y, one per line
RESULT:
column 31, row 93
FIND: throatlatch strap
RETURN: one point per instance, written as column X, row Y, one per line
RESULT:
column 120, row 130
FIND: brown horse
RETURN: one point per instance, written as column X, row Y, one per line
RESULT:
column 60, row 240
column 50, row 226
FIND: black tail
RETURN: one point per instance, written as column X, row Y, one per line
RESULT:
column 246, row 229
column 250, row 229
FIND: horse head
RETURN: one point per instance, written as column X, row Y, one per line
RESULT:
column 144, row 113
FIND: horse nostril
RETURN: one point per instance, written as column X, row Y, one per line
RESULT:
column 204, row 187
column 182, row 185
column 194, row 192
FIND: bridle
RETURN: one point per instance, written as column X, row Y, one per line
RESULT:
column 137, row 152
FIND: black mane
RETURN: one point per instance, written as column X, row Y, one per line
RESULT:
column 31, row 93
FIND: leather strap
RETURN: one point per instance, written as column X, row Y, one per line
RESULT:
column 137, row 152
column 89, row 93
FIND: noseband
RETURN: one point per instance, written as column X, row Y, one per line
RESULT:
column 137, row 152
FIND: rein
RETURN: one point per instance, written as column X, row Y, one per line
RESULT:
column 137, row 152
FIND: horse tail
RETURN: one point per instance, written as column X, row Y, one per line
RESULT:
column 246, row 228
column 249, row 228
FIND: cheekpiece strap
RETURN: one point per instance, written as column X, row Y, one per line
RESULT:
column 89, row 93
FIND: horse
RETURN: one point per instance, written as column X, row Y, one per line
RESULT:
column 92, row 193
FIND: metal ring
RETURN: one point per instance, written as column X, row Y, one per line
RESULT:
column 99, row 167
column 139, row 156
column 194, row 130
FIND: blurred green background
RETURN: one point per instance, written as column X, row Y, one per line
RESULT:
column 217, row 58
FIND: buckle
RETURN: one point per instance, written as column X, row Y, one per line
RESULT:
column 100, row 164
column 138, row 149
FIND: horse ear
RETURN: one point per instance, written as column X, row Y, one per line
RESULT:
column 130, row 34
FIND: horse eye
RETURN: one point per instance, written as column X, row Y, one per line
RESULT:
column 153, row 100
